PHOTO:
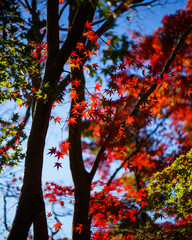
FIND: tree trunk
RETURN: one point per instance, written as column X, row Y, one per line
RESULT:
column 31, row 202
column 81, row 213
column 80, row 176
column 40, row 230
column 82, row 184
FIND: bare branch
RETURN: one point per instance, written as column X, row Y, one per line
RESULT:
column 63, row 84
column 5, row 213
column 121, row 166
column 62, row 9
column 25, row 6
column 143, row 4
column 115, row 14
column 28, row 6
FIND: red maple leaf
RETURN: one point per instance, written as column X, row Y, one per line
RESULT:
column 65, row 147
column 58, row 165
column 92, row 37
column 59, row 155
column 52, row 150
column 97, row 86
column 57, row 226
column 95, row 65
column 79, row 228
column 129, row 120
column 88, row 25
column 73, row 54
column 49, row 214
column 57, row 119
column 76, row 82
column 61, row 203
column 85, row 115
column 72, row 121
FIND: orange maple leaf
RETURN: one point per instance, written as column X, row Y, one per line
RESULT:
column 72, row 121
column 108, row 41
column 64, row 146
column 73, row 94
column 79, row 228
column 129, row 120
column 97, row 86
column 57, row 226
column 80, row 46
column 88, row 25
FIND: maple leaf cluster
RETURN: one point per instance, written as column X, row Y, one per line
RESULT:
column 64, row 147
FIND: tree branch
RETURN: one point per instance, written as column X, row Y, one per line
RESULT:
column 73, row 36
column 5, row 213
column 52, row 29
column 62, row 9
column 28, row 6
column 118, row 11
column 143, row 4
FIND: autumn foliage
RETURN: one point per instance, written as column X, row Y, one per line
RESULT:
column 129, row 122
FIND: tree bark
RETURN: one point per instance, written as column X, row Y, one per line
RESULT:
column 40, row 230
column 31, row 201
column 82, row 183
column 80, row 176
column 81, row 213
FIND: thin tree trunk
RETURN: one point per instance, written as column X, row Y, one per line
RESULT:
column 80, row 176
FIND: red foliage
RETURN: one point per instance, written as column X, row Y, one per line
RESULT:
column 123, row 119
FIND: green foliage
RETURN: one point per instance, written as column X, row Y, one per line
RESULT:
column 10, row 141
column 15, row 86
column 170, row 191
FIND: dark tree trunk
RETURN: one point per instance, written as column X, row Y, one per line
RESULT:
column 31, row 202
column 80, row 176
column 40, row 230
column 81, row 213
